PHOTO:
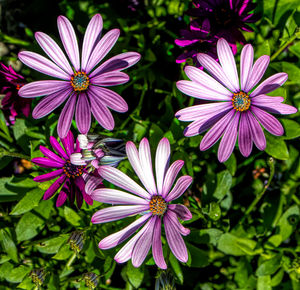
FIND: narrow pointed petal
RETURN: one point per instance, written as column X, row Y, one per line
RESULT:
column 62, row 197
column 114, row 196
column 102, row 48
column 117, row 63
column 192, row 113
column 43, row 65
column 66, row 116
column 120, row 236
column 48, row 153
column 215, row 133
column 228, row 64
column 48, row 176
column 126, row 252
column 157, row 250
column 229, row 139
column 143, row 244
column 54, row 187
column 199, row 91
column 110, row 99
column 83, row 114
column 203, row 79
column 258, row 70
column 162, row 159
column 246, row 65
column 49, row 103
column 257, row 133
column 170, row 176
column 90, row 37
column 53, row 51
column 215, row 70
column 92, row 183
column 245, row 139
column 115, row 213
column 146, row 164
column 175, row 240
column 180, row 187
column 108, row 79
column 268, row 121
column 181, row 211
column 43, row 88
column 121, row 180
column 47, row 163
column 101, row 112
column 57, row 147
column 69, row 40
column 173, row 218
column 270, row 84
column 68, row 143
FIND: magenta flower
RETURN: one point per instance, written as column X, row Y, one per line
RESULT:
column 71, row 177
column 238, row 109
column 153, row 203
column 12, row 105
column 81, row 84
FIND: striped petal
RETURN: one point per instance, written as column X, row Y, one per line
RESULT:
column 246, row 65
column 157, row 250
column 48, row 176
column 83, row 114
column 180, row 187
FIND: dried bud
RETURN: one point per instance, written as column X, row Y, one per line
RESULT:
column 91, row 280
column 38, row 277
column 164, row 281
column 76, row 241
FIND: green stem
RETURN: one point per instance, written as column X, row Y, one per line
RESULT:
column 71, row 260
column 259, row 196
column 296, row 199
column 284, row 46
column 14, row 154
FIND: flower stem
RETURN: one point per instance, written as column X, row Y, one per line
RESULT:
column 14, row 154
column 285, row 45
column 259, row 196
column 71, row 260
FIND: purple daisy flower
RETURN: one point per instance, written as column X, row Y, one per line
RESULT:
column 81, row 84
column 226, row 18
column 12, row 105
column 153, row 203
column 70, row 177
column 240, row 109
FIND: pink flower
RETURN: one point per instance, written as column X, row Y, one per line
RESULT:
column 81, row 83
column 153, row 203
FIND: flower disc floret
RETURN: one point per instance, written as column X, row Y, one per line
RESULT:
column 80, row 81
column 241, row 101
column 158, row 205
column 72, row 170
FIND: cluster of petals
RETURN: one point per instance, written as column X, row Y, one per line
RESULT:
column 70, row 179
column 220, row 115
column 79, row 83
column 137, row 200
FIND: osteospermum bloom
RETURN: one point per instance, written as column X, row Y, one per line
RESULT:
column 70, row 178
column 239, row 108
column 226, row 18
column 12, row 105
column 153, row 203
column 81, row 84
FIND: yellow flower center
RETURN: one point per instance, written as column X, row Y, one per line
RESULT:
column 158, row 206
column 241, row 101
column 80, row 81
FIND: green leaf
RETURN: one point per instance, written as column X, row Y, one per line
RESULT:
column 214, row 211
column 264, row 283
column 291, row 69
column 231, row 164
column 28, row 226
column 270, row 266
column 224, row 181
column 276, row 147
column 199, row 258
column 51, row 246
column 291, row 129
column 135, row 275
column 64, row 252
column 288, row 222
column 176, row 267
column 72, row 217
column 205, row 236
column 8, row 244
column 28, row 202
column 17, row 274
column 232, row 245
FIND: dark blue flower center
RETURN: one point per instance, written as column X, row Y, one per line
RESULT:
column 72, row 170
column 158, row 205
column 241, row 101
column 80, row 81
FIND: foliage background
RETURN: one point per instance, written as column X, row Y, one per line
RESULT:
column 244, row 231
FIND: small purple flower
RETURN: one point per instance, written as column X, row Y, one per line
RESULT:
column 226, row 18
column 71, row 177
column 12, row 105
column 153, row 203
column 81, row 85
column 238, row 109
